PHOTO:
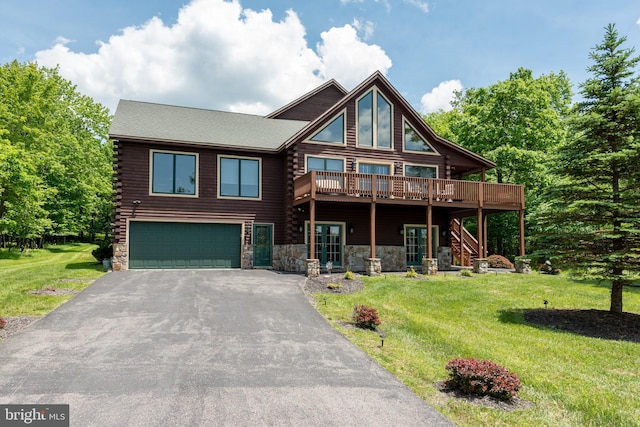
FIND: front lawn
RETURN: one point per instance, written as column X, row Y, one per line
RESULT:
column 571, row 380
column 69, row 266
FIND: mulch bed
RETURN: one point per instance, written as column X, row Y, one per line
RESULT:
column 486, row 401
column 589, row 323
column 320, row 284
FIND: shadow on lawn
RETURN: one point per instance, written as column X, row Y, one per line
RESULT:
column 88, row 265
column 589, row 323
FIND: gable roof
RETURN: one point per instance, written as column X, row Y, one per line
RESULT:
column 167, row 123
column 327, row 94
column 379, row 80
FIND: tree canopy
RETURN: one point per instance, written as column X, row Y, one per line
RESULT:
column 593, row 218
column 55, row 156
column 514, row 123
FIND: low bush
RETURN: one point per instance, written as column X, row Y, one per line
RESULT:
column 482, row 378
column 498, row 261
column 334, row 286
column 3, row 323
column 466, row 273
column 412, row 273
column 349, row 275
column 104, row 251
column 365, row 317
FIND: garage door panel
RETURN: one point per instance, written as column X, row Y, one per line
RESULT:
column 171, row 245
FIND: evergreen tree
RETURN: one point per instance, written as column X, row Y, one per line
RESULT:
column 593, row 219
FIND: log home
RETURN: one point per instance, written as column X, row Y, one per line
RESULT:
column 355, row 178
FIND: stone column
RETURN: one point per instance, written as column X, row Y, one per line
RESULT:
column 480, row 265
column 372, row 266
column 430, row 266
column 523, row 265
column 312, row 267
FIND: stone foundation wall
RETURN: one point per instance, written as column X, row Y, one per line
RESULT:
column 120, row 259
column 247, row 257
column 392, row 258
column 290, row 257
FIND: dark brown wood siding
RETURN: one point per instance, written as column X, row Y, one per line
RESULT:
column 133, row 175
column 311, row 108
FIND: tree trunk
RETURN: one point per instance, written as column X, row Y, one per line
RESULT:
column 616, row 296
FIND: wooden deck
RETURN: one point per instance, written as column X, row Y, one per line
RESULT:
column 393, row 189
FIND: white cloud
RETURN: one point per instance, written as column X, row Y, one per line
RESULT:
column 347, row 58
column 365, row 28
column 440, row 97
column 638, row 21
column 217, row 55
column 422, row 5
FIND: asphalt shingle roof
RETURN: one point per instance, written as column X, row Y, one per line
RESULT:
column 158, row 122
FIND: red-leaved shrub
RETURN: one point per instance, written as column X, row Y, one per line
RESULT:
column 365, row 317
column 2, row 323
column 498, row 261
column 482, row 378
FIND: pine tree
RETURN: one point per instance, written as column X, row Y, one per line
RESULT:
column 594, row 216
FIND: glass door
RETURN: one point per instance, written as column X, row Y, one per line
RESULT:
column 328, row 243
column 416, row 243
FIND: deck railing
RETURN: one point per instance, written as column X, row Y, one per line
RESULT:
column 339, row 184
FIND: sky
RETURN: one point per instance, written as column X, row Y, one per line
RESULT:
column 254, row 56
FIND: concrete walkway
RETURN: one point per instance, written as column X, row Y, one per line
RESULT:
column 189, row 348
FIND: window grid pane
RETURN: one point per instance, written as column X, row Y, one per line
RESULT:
column 239, row 177
column 173, row 173
column 383, row 122
column 365, row 121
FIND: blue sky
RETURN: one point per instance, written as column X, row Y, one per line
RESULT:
column 239, row 56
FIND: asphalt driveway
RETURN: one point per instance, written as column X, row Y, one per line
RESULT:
column 188, row 348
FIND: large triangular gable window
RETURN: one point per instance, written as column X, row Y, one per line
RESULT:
column 333, row 132
column 413, row 141
column 374, row 121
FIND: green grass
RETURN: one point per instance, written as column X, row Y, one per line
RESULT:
column 571, row 380
column 21, row 272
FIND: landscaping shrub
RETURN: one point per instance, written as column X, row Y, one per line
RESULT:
column 365, row 317
column 498, row 261
column 104, row 251
column 412, row 273
column 482, row 378
column 349, row 275
column 2, row 323
column 334, row 286
column 466, row 273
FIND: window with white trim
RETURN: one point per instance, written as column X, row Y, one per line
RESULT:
column 413, row 141
column 374, row 121
column 332, row 133
column 239, row 177
column 173, row 173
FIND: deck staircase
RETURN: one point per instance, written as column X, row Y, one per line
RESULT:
column 469, row 247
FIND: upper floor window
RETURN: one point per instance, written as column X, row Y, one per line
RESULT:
column 374, row 121
column 173, row 173
column 418, row 171
column 324, row 164
column 239, row 177
column 333, row 132
column 413, row 141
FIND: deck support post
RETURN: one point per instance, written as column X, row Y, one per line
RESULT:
column 462, row 263
column 312, row 229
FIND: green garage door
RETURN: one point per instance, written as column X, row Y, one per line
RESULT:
column 184, row 245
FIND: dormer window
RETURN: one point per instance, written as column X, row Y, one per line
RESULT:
column 332, row 133
column 374, row 121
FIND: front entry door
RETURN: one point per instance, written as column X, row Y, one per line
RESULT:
column 262, row 245
column 416, row 243
column 328, row 243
